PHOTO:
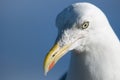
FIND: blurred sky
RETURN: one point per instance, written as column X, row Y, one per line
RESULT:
column 27, row 32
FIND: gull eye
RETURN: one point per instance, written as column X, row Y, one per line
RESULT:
column 85, row 25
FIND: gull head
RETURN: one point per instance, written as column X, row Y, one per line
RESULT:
column 78, row 25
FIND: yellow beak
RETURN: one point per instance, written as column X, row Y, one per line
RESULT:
column 54, row 55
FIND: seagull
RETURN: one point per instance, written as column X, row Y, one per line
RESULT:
column 84, row 30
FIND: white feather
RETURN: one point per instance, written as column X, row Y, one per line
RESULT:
column 97, row 56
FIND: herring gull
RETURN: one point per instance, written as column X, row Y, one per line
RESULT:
column 84, row 30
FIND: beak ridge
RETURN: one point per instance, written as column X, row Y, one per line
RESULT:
column 54, row 55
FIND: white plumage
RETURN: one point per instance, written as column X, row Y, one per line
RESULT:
column 94, row 45
column 99, row 59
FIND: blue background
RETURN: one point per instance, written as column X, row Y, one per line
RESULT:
column 27, row 32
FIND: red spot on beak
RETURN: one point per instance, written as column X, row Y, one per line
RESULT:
column 51, row 65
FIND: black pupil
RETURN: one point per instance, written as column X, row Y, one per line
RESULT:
column 85, row 25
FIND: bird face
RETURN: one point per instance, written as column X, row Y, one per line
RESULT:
column 76, row 28
column 75, row 36
column 68, row 39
